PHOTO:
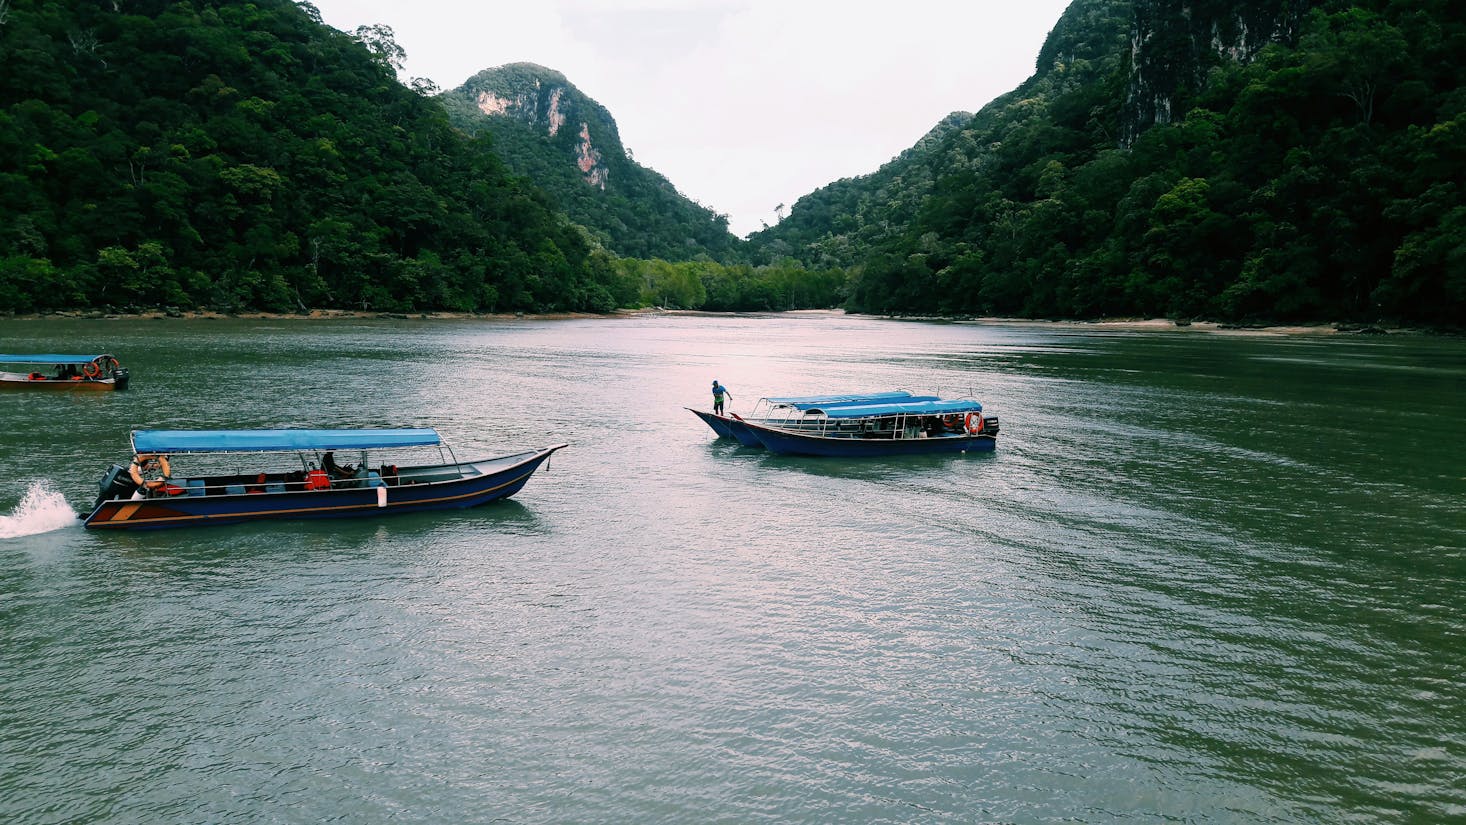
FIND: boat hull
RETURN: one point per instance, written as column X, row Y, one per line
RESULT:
column 494, row 479
column 59, row 385
column 728, row 427
column 787, row 442
column 745, row 436
column 736, row 427
column 718, row 423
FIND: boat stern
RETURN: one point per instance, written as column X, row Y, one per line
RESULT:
column 116, row 483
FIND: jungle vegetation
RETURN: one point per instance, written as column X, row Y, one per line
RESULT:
column 234, row 156
column 243, row 155
column 1321, row 180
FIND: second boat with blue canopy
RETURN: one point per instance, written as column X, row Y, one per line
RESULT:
column 294, row 473
column 912, row 426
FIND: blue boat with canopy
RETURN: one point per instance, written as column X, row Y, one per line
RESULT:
column 788, row 412
column 294, row 473
column 911, row 426
column 59, row 371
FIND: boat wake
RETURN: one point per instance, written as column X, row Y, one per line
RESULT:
column 40, row 511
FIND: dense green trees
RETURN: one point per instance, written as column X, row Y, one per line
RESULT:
column 1320, row 180
column 715, row 287
column 242, row 155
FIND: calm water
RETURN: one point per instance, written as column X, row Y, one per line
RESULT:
column 1204, row 578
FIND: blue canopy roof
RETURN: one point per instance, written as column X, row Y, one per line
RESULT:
column 811, row 400
column 49, row 358
column 858, row 402
column 264, row 441
column 904, row 408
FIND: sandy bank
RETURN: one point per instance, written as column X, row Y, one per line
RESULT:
column 1136, row 324
column 320, row 315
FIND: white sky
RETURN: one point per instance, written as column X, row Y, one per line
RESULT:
column 742, row 104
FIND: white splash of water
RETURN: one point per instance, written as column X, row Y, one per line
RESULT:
column 40, row 511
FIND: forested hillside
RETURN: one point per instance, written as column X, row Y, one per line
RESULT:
column 231, row 155
column 838, row 224
column 547, row 129
column 1251, row 161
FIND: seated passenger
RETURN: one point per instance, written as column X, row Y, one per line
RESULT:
column 328, row 463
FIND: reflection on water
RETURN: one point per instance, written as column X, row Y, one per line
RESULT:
column 910, row 471
column 1202, row 578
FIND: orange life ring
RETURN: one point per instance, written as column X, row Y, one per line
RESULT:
column 91, row 369
column 110, row 362
column 968, row 422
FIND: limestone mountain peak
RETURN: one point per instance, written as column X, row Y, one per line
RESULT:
column 544, row 100
column 551, row 132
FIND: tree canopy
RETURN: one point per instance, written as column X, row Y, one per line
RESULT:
column 1259, row 160
column 1321, row 178
column 232, row 155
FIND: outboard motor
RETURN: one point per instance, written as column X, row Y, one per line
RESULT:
column 116, row 483
column 120, row 376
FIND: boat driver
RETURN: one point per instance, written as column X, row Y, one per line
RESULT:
column 334, row 470
column 150, row 473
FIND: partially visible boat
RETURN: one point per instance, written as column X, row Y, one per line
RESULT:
column 789, row 412
column 899, row 427
column 52, row 371
column 309, row 490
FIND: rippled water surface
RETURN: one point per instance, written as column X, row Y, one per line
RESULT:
column 1204, row 577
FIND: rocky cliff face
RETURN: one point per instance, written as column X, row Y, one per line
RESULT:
column 550, row 132
column 545, row 101
column 1174, row 42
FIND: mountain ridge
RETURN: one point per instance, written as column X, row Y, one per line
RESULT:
column 569, row 144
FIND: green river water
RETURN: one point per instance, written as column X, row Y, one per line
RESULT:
column 1205, row 577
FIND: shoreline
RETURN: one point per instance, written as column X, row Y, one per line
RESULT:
column 1121, row 324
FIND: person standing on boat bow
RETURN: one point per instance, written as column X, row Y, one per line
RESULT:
column 718, row 392
column 150, row 473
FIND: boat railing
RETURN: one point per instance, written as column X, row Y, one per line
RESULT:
column 894, row 426
column 296, row 482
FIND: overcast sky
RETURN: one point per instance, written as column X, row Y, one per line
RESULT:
column 742, row 104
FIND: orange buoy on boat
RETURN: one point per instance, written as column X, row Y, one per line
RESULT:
column 974, row 423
